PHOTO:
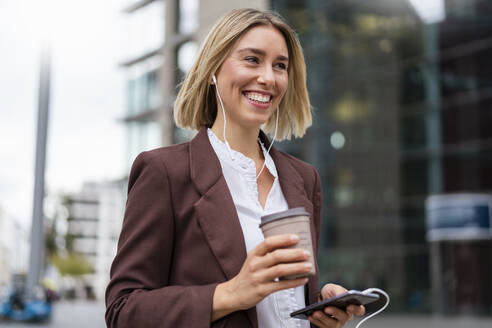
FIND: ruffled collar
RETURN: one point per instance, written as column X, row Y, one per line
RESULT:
column 238, row 160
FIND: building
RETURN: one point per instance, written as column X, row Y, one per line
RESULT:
column 93, row 226
column 83, row 221
column 112, row 196
column 141, row 63
column 14, row 248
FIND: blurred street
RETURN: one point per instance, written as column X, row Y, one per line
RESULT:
column 83, row 314
column 76, row 314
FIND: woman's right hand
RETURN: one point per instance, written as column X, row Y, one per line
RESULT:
column 256, row 280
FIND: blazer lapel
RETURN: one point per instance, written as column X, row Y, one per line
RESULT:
column 216, row 212
column 290, row 180
column 293, row 188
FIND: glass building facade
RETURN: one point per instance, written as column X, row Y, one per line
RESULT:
column 143, row 101
column 145, row 29
column 402, row 97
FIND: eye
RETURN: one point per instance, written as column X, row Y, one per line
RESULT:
column 281, row 66
column 252, row 60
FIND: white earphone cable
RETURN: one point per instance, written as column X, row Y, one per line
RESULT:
column 224, row 114
column 225, row 123
column 379, row 291
column 271, row 144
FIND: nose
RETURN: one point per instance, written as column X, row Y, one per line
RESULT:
column 266, row 76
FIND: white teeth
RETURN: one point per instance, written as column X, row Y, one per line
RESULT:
column 258, row 97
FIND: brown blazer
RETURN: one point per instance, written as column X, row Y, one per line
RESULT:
column 181, row 236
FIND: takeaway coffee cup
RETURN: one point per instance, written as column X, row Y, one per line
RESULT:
column 293, row 221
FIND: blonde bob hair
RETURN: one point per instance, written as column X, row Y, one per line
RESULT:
column 196, row 104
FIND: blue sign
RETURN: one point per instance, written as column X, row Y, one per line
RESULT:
column 459, row 217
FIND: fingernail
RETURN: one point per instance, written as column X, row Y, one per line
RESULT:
column 308, row 265
column 294, row 238
column 352, row 309
column 307, row 254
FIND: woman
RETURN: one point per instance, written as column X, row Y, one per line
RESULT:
column 191, row 253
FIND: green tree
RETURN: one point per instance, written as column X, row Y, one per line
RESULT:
column 72, row 264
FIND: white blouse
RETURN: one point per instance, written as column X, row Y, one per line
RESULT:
column 240, row 174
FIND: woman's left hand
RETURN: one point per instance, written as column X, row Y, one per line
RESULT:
column 333, row 317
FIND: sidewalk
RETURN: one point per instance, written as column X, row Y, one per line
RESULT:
column 66, row 314
column 81, row 314
column 419, row 321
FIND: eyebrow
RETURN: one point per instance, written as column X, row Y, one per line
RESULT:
column 262, row 53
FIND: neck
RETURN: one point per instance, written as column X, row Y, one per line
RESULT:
column 241, row 139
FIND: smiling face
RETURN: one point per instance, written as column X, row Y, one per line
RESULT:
column 253, row 78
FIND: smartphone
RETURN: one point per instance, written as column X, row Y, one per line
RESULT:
column 340, row 301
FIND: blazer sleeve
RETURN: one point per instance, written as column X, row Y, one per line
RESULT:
column 317, row 203
column 139, row 294
column 317, row 199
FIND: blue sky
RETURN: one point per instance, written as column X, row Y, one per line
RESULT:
column 86, row 142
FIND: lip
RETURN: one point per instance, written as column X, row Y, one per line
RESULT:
column 260, row 92
column 259, row 105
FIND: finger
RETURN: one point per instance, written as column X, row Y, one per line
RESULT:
column 338, row 314
column 285, row 269
column 314, row 321
column 330, row 290
column 358, row 310
column 274, row 242
column 322, row 320
column 280, row 256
